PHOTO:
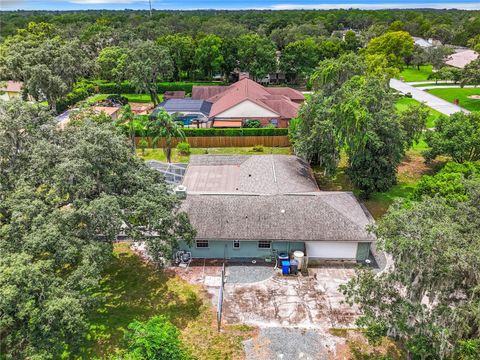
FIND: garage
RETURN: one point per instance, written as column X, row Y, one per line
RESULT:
column 345, row 250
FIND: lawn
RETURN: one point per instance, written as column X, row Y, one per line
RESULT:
column 157, row 154
column 461, row 94
column 410, row 74
column 410, row 171
column 404, row 103
column 136, row 98
column 134, row 290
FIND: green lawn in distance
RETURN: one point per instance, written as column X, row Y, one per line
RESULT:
column 136, row 98
column 411, row 74
column 461, row 94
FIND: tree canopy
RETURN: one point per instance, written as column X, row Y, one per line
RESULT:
column 64, row 197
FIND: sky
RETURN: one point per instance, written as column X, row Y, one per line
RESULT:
column 234, row 4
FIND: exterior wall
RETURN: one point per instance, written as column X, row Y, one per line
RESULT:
column 281, row 122
column 248, row 249
column 246, row 109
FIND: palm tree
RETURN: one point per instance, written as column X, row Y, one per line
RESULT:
column 163, row 126
column 127, row 122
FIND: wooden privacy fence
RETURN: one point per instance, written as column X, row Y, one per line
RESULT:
column 228, row 141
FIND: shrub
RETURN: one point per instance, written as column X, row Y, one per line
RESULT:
column 252, row 124
column 183, row 148
column 122, row 100
column 258, row 148
column 156, row 338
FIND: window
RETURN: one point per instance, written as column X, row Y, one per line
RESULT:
column 264, row 244
column 236, row 244
column 202, row 243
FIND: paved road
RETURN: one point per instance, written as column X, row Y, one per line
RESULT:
column 430, row 100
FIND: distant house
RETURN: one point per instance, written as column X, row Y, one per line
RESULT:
column 10, row 89
column 426, row 43
column 461, row 58
column 111, row 111
column 233, row 105
column 255, row 206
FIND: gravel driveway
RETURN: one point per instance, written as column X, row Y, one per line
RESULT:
column 289, row 344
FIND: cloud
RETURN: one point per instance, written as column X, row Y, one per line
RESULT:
column 463, row 6
column 92, row 2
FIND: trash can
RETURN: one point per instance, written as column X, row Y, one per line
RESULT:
column 294, row 267
column 283, row 257
column 285, row 267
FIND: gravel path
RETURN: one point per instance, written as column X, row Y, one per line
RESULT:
column 287, row 344
column 430, row 100
column 244, row 274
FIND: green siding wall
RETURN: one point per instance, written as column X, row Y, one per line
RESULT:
column 248, row 249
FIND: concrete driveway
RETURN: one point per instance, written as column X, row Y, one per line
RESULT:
column 293, row 314
column 430, row 100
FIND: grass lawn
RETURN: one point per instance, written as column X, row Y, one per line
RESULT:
column 157, row 154
column 461, row 94
column 413, row 74
column 404, row 103
column 137, row 98
column 134, row 290
column 409, row 173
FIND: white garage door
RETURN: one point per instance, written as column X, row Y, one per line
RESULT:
column 331, row 250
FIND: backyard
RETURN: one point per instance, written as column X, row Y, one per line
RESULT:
column 409, row 173
column 157, row 154
column 465, row 96
column 412, row 73
column 134, row 290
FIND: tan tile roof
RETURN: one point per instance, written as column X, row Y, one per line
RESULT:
column 462, row 58
column 276, row 100
column 12, row 86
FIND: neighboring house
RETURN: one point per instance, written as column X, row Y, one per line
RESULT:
column 461, row 58
column 250, row 206
column 233, row 105
column 190, row 112
column 10, row 89
column 426, row 43
column 111, row 111
column 64, row 118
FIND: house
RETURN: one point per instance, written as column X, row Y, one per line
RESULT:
column 254, row 206
column 190, row 112
column 426, row 43
column 232, row 105
column 10, row 89
column 461, row 58
column 174, row 95
column 111, row 111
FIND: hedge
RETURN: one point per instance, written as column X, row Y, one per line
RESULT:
column 203, row 132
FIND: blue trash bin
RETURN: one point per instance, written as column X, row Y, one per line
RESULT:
column 283, row 257
column 285, row 267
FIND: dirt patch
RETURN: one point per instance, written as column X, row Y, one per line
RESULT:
column 356, row 346
column 413, row 167
column 474, row 97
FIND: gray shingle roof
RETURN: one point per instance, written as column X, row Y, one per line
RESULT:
column 318, row 216
column 252, row 174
